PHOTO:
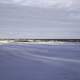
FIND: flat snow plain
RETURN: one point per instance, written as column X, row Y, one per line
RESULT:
column 39, row 62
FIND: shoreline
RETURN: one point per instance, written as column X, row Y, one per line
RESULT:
column 43, row 43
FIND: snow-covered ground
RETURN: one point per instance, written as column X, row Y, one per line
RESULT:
column 6, row 41
column 50, row 43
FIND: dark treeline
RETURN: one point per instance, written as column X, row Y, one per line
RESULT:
column 35, row 40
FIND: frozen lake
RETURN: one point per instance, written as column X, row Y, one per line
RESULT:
column 39, row 62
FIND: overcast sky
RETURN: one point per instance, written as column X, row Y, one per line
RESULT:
column 40, row 19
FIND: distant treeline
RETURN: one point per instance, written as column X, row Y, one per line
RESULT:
column 46, row 40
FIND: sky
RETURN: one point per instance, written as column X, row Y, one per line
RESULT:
column 40, row 19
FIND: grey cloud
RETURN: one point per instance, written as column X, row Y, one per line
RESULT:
column 70, row 4
column 20, row 21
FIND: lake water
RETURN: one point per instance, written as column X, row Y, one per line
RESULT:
column 39, row 62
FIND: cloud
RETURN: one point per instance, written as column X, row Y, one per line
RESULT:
column 68, row 7
column 36, row 22
column 46, row 3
